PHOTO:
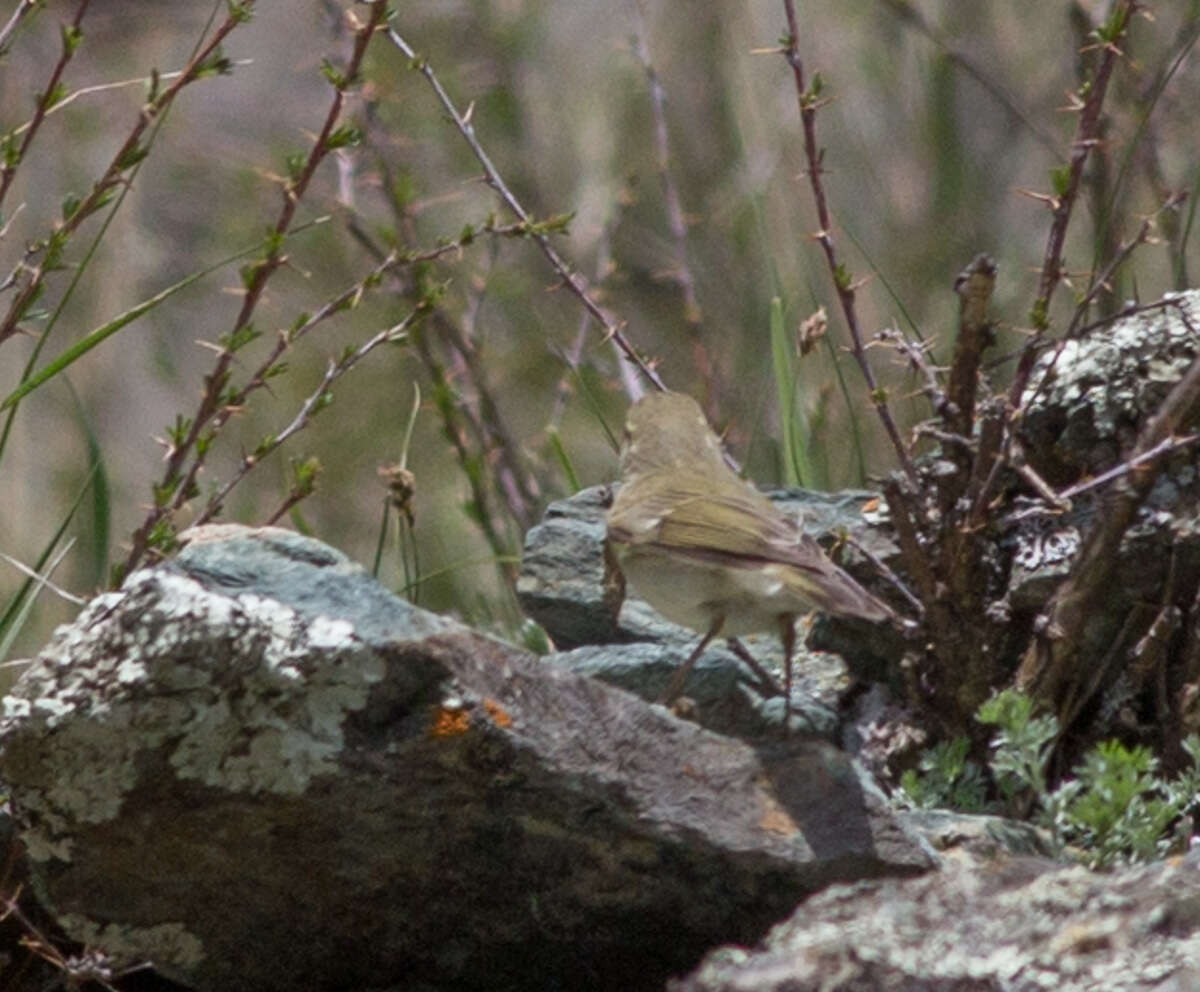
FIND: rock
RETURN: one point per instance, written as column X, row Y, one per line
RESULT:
column 1017, row 924
column 726, row 695
column 259, row 770
column 1096, row 393
column 1098, row 389
column 979, row 836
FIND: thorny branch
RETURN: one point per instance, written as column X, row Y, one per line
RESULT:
column 48, row 97
column 573, row 280
column 178, row 485
column 126, row 157
column 1087, row 134
column 809, row 101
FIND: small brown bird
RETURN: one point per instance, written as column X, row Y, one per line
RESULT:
column 708, row 550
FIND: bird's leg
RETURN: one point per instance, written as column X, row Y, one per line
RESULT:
column 788, row 635
column 676, row 685
column 768, row 683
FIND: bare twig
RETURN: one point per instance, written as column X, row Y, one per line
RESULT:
column 907, row 536
column 1103, row 281
column 882, row 568
column 1164, row 446
column 571, row 279
column 127, row 157
column 917, row 353
column 119, row 84
column 348, row 299
column 318, row 398
column 1068, row 180
column 43, row 578
column 22, row 8
column 1086, row 135
column 809, row 101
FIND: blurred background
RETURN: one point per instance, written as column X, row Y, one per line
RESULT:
column 940, row 118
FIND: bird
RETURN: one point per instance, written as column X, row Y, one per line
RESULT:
column 709, row 551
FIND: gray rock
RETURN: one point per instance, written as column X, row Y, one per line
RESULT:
column 259, row 770
column 1012, row 925
column 1097, row 390
column 726, row 695
column 1095, row 396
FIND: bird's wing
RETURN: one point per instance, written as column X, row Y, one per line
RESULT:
column 683, row 512
column 683, row 515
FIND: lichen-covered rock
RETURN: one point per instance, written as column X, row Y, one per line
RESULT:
column 1094, row 394
column 1095, row 391
column 1015, row 924
column 257, row 769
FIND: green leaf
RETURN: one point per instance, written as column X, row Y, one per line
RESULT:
column 563, row 459
column 72, row 35
column 1060, row 179
column 345, row 136
column 131, row 157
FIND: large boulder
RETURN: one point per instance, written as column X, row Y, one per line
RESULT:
column 257, row 769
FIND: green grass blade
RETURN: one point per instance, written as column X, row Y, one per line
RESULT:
column 103, row 333
column 16, row 612
column 563, row 459
column 796, row 469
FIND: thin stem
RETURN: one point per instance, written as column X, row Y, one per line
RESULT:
column 181, row 484
column 573, row 281
column 46, row 98
column 845, row 288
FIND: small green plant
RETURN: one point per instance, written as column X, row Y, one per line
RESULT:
column 945, row 778
column 1115, row 809
column 1022, row 745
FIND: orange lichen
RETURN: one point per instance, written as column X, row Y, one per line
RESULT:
column 498, row 713
column 774, row 818
column 450, row 723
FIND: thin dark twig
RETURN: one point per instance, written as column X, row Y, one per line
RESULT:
column 571, row 279
column 312, row 403
column 345, row 300
column 917, row 354
column 125, row 159
column 907, row 537
column 882, row 568
column 1137, row 461
column 845, row 288
column 1087, row 133
column 463, row 425
column 1120, row 256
